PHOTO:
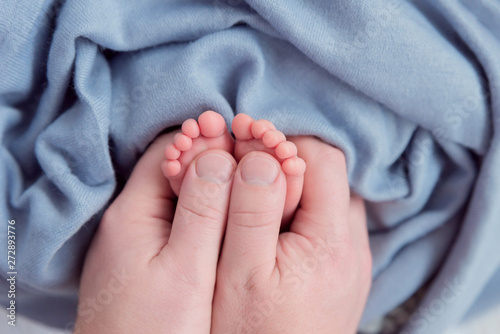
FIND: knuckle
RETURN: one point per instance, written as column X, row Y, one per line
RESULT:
column 252, row 219
column 254, row 282
column 249, row 281
column 209, row 215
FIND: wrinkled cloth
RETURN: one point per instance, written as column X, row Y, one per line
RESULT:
column 409, row 90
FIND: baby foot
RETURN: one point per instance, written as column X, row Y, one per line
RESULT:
column 210, row 132
column 261, row 135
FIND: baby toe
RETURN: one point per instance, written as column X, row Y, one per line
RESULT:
column 170, row 167
column 211, row 124
column 172, row 152
column 183, row 142
column 260, row 127
column 294, row 166
column 271, row 138
column 286, row 150
column 242, row 127
column 191, row 128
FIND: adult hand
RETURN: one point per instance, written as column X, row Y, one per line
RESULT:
column 314, row 278
column 145, row 274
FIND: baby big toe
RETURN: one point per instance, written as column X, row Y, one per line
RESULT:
column 211, row 124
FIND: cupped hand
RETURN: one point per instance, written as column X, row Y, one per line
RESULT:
column 314, row 278
column 148, row 270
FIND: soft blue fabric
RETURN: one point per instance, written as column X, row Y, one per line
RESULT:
column 410, row 91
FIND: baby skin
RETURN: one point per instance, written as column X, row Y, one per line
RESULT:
column 210, row 132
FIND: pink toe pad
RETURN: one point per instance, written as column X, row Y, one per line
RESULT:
column 294, row 166
column 183, row 142
column 271, row 139
column 211, row 124
column 242, row 127
column 260, row 127
column 286, row 150
column 191, row 129
column 172, row 167
column 171, row 152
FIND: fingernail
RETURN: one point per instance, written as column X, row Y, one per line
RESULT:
column 214, row 167
column 259, row 171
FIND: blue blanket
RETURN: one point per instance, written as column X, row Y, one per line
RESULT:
column 409, row 90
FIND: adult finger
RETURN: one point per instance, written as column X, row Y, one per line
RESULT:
column 324, row 207
column 147, row 225
column 201, row 212
column 147, row 183
column 255, row 212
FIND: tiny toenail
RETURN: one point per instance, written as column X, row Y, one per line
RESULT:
column 259, row 171
column 214, row 167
